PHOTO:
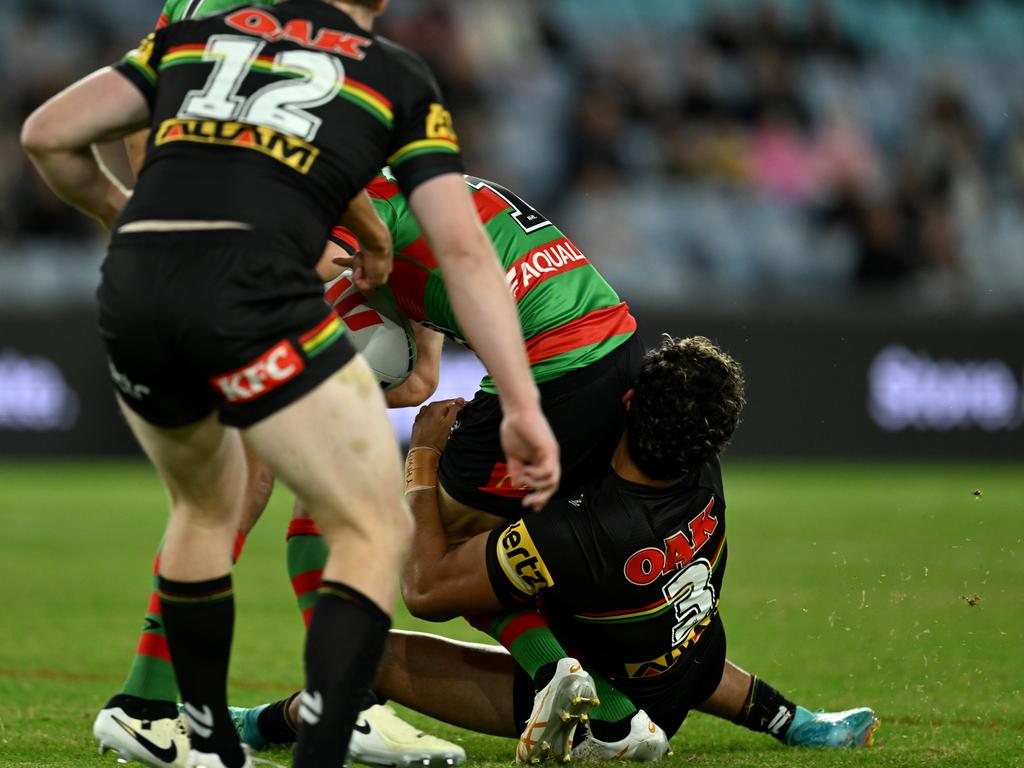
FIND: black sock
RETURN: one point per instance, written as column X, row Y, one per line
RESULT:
column 766, row 710
column 272, row 722
column 198, row 619
column 604, row 730
column 343, row 649
column 144, row 709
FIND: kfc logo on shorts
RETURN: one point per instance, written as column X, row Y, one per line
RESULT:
column 267, row 372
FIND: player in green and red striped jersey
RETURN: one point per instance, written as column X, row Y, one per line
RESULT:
column 580, row 337
column 584, row 354
column 180, row 10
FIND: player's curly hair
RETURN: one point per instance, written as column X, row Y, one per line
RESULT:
column 686, row 404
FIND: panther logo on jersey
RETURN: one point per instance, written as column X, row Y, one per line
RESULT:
column 439, row 123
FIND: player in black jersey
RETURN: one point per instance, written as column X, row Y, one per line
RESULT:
column 629, row 570
column 628, row 573
column 262, row 119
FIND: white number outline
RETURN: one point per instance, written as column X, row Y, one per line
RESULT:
column 279, row 105
column 231, row 55
column 692, row 596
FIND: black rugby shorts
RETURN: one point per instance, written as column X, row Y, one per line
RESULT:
column 196, row 322
column 586, row 413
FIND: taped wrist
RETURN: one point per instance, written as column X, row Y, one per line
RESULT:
column 421, row 468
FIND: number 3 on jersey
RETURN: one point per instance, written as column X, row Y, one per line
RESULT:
column 313, row 79
column 691, row 593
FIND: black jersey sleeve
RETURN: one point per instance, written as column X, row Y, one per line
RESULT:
column 141, row 64
column 536, row 554
column 424, row 144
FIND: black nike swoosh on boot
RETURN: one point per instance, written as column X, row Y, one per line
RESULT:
column 167, row 754
column 363, row 728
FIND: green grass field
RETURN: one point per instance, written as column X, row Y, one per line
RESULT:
column 894, row 586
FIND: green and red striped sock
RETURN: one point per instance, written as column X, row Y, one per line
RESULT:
column 151, row 676
column 307, row 555
column 527, row 636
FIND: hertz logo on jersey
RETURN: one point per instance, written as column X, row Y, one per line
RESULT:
column 297, row 154
column 520, row 560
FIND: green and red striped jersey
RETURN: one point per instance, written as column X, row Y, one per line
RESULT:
column 179, row 10
column 569, row 315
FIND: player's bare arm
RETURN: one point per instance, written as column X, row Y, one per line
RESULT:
column 371, row 264
column 58, row 137
column 422, row 382
column 481, row 300
column 439, row 582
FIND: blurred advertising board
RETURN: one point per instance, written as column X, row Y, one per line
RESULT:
column 856, row 384
column 842, row 385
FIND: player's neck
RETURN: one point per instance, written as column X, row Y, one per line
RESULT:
column 625, row 468
column 360, row 14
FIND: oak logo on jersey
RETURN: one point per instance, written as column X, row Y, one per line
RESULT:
column 439, row 124
column 520, row 560
column 543, row 263
column 646, row 565
column 297, row 154
column 254, row 21
column 267, row 372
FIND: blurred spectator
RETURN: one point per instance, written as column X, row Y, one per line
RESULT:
column 824, row 39
column 749, row 126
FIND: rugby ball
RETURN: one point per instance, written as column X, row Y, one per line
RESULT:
column 376, row 327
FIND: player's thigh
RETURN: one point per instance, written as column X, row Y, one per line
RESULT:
column 336, row 450
column 202, row 464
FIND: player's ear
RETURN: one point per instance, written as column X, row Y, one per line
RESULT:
column 627, row 398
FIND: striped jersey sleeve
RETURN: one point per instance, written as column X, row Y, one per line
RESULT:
column 141, row 64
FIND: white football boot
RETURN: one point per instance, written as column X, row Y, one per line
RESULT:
column 158, row 743
column 646, row 743
column 558, row 708
column 381, row 737
column 197, row 759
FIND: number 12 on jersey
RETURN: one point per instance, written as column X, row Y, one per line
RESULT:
column 309, row 79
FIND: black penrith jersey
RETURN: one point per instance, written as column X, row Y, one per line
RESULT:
column 277, row 116
column 627, row 575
